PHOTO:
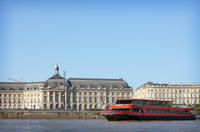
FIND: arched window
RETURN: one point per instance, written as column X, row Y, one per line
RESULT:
column 85, row 106
column 80, row 107
column 56, row 106
column 90, row 107
column 95, row 106
column 45, row 106
column 69, row 107
column 62, row 106
column 74, row 107
column 51, row 106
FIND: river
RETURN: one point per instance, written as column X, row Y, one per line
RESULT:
column 98, row 126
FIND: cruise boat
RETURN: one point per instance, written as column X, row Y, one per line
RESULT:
column 142, row 109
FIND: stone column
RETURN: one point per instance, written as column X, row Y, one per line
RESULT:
column 54, row 104
column 59, row 99
column 48, row 100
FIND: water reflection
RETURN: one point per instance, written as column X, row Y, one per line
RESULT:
column 98, row 126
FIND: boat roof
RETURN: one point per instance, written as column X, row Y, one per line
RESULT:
column 140, row 99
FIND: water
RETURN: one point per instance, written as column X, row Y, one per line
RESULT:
column 98, row 126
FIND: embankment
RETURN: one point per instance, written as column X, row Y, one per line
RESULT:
column 49, row 115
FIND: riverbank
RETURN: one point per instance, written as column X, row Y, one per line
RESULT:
column 50, row 115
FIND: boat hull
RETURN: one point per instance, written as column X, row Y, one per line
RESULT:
column 119, row 117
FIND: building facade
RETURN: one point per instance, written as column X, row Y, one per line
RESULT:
column 181, row 94
column 56, row 92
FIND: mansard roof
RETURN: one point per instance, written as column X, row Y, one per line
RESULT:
column 99, row 79
column 17, row 85
column 98, row 82
column 56, row 80
column 164, row 85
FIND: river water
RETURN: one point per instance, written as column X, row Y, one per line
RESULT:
column 98, row 126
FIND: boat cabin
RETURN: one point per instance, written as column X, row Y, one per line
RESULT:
column 142, row 102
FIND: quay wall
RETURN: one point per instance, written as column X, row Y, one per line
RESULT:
column 49, row 115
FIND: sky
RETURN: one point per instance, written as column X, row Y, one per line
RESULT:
column 138, row 41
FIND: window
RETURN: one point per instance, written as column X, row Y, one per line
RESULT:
column 113, row 93
column 90, row 99
column 113, row 99
column 85, row 106
column 95, row 99
column 124, row 102
column 107, row 99
column 56, row 97
column 79, row 99
column 138, row 110
column 121, row 110
column 85, row 99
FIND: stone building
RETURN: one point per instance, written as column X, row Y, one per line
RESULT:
column 56, row 92
column 181, row 94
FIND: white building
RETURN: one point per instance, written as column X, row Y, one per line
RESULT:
column 59, row 93
column 177, row 93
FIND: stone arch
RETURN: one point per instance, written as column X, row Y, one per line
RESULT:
column 56, row 106
column 51, row 106
column 45, row 106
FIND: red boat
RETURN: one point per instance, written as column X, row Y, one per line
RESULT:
column 142, row 109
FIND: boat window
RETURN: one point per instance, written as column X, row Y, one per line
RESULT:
column 124, row 102
column 167, row 111
column 159, row 103
column 139, row 102
column 121, row 110
column 138, row 110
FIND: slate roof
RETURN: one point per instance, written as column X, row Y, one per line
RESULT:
column 98, row 82
column 16, row 85
column 57, row 80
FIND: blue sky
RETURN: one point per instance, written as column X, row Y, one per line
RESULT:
column 138, row 41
